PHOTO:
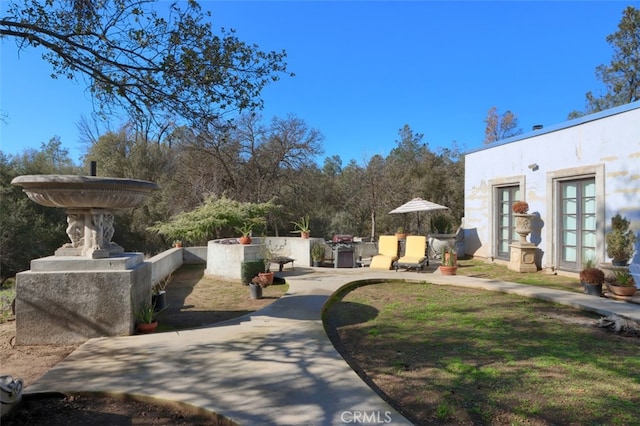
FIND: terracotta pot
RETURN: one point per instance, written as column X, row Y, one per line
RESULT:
column 266, row 277
column 146, row 328
column 622, row 290
column 245, row 240
column 448, row 270
column 401, row 236
column 305, row 235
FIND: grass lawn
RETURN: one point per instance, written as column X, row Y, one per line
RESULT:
column 482, row 269
column 449, row 355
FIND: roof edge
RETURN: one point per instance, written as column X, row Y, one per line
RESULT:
column 561, row 126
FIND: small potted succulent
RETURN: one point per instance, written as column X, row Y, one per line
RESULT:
column 245, row 230
column 622, row 283
column 146, row 321
column 400, row 234
column 302, row 227
column 592, row 279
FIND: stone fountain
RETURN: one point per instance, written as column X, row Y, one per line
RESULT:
column 90, row 287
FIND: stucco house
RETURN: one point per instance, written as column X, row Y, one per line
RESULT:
column 575, row 176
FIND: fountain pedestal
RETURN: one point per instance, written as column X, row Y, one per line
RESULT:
column 91, row 287
column 65, row 300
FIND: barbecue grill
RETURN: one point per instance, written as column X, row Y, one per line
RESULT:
column 343, row 251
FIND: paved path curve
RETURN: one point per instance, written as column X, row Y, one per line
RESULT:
column 273, row 367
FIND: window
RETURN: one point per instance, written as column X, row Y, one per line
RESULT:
column 505, row 225
column 577, row 223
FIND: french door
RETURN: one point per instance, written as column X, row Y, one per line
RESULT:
column 577, row 223
column 505, row 229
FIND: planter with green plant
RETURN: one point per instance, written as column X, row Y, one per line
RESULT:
column 400, row 234
column 449, row 264
column 592, row 279
column 302, row 227
column 245, row 229
column 317, row 253
column 146, row 321
column 622, row 283
column 440, row 224
column 620, row 241
column 159, row 293
column 266, row 276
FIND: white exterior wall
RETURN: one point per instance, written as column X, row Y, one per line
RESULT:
column 606, row 145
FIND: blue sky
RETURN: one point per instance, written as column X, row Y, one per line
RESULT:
column 364, row 69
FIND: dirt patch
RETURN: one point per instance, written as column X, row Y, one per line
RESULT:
column 193, row 301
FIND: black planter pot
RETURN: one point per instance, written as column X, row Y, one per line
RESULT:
column 159, row 301
column 255, row 290
column 620, row 263
column 592, row 289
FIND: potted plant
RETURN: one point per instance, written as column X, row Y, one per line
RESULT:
column 400, row 234
column 255, row 287
column 317, row 253
column 302, row 227
column 440, row 224
column 449, row 264
column 177, row 243
column 622, row 283
column 520, row 207
column 620, row 241
column 245, row 230
column 266, row 277
column 146, row 321
column 592, row 279
column 159, row 293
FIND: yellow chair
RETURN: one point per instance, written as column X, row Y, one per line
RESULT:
column 387, row 253
column 414, row 253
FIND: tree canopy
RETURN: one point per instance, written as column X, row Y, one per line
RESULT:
column 158, row 64
column 621, row 77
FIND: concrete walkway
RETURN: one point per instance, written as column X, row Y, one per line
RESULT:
column 273, row 367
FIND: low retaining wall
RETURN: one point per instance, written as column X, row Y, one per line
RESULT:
column 168, row 261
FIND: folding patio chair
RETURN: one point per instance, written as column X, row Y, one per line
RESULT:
column 387, row 253
column 415, row 254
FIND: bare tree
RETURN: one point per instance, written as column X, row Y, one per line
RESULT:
column 500, row 127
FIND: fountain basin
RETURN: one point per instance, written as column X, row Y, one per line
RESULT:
column 84, row 192
column 89, row 202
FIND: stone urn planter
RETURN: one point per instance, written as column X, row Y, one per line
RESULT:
column 523, row 225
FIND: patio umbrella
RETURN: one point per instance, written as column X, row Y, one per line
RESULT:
column 418, row 205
